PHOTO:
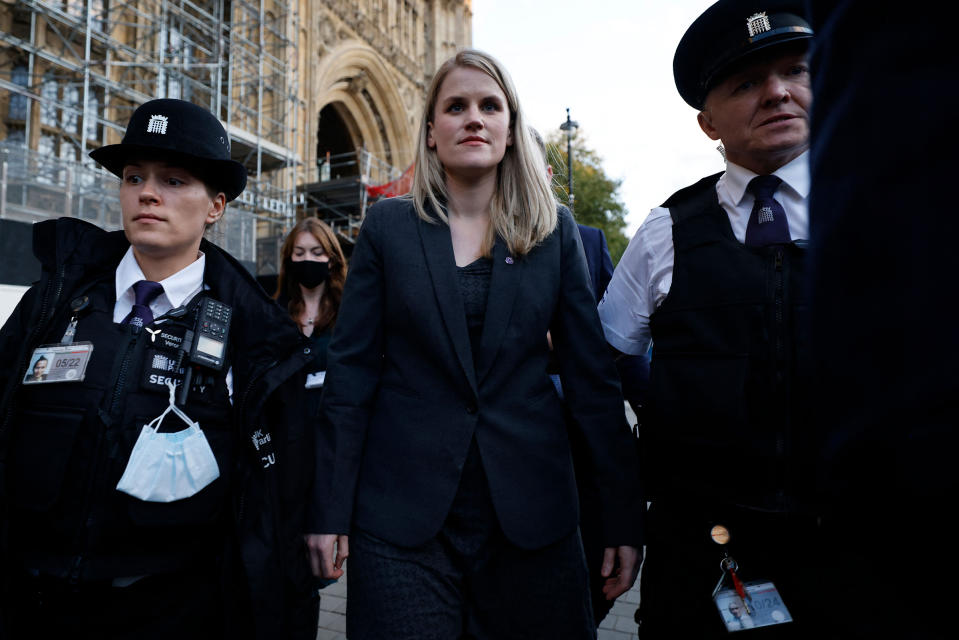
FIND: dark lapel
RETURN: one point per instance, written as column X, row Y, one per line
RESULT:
column 438, row 250
column 507, row 273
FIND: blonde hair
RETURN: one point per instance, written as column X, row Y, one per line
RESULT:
column 523, row 208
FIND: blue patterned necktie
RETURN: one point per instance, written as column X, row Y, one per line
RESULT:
column 767, row 222
column 145, row 292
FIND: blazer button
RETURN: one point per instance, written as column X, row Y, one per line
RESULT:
column 471, row 409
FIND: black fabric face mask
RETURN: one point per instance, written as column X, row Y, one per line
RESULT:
column 309, row 273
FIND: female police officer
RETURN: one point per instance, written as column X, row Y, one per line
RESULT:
column 118, row 522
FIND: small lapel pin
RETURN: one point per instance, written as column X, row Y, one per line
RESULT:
column 509, row 260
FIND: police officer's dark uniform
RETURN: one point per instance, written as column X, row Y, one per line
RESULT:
column 78, row 554
column 728, row 389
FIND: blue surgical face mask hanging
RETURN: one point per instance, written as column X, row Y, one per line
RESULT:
column 165, row 467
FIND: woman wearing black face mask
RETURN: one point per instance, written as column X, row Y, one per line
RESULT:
column 310, row 285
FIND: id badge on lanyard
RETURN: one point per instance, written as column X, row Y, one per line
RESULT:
column 315, row 380
column 63, row 362
column 745, row 605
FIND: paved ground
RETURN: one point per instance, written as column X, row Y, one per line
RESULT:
column 333, row 611
column 618, row 625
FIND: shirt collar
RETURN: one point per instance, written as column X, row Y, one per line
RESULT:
column 794, row 174
column 178, row 288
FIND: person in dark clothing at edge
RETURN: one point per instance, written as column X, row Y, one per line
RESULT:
column 116, row 521
column 634, row 375
column 883, row 228
column 633, row 370
column 714, row 278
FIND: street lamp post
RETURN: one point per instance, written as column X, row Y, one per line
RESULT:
column 568, row 127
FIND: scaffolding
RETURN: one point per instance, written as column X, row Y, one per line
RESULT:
column 340, row 197
column 73, row 71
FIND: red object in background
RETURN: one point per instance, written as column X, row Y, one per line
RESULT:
column 393, row 188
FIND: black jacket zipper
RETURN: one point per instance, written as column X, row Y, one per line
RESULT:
column 109, row 419
column 779, row 368
column 121, row 381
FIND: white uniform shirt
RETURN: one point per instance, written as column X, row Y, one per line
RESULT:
column 645, row 272
column 178, row 290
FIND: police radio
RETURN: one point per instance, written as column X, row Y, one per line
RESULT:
column 211, row 333
column 206, row 344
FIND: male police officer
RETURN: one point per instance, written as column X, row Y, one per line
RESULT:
column 115, row 521
column 713, row 278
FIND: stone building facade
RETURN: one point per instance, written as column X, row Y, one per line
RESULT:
column 373, row 61
column 320, row 98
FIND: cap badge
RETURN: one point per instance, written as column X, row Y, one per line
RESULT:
column 157, row 124
column 758, row 23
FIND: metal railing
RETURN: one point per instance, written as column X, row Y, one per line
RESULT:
column 35, row 186
column 370, row 168
column 345, row 217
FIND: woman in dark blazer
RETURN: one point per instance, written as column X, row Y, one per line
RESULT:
column 445, row 470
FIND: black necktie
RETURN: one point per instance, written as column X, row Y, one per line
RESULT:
column 146, row 292
column 767, row 222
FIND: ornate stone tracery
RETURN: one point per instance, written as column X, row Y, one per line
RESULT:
column 374, row 59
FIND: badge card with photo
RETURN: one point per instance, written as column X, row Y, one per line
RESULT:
column 315, row 380
column 58, row 363
column 763, row 607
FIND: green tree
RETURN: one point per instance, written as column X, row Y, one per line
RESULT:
column 597, row 202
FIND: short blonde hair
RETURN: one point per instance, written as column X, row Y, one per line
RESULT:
column 523, row 209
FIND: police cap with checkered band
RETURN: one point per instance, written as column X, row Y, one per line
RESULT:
column 726, row 34
column 182, row 133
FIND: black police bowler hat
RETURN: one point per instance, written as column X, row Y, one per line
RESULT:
column 726, row 33
column 179, row 131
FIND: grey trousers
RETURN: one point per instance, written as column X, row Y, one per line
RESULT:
column 468, row 582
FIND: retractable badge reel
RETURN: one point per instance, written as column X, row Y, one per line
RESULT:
column 744, row 605
column 65, row 361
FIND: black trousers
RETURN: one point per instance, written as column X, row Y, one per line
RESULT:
column 182, row 605
column 682, row 567
column 469, row 581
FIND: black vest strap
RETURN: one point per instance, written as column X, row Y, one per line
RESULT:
column 694, row 200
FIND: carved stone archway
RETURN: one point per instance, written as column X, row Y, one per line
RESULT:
column 359, row 80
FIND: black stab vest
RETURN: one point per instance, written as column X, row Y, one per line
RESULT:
column 728, row 371
column 72, row 441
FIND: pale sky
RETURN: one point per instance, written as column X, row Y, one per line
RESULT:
column 611, row 63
